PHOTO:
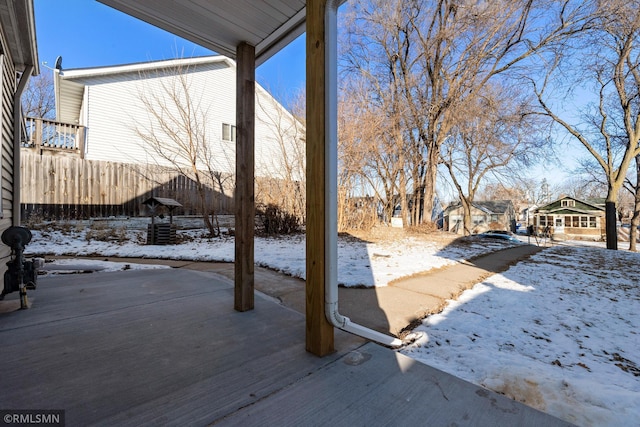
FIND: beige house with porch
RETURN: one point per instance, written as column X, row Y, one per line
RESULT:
column 571, row 218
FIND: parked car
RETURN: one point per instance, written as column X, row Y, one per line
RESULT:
column 500, row 234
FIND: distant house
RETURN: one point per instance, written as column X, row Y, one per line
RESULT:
column 571, row 218
column 485, row 215
column 18, row 61
column 110, row 103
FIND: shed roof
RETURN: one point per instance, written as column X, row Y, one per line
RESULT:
column 162, row 201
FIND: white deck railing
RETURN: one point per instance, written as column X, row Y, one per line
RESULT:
column 45, row 134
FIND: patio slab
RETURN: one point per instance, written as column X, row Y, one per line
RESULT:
column 165, row 347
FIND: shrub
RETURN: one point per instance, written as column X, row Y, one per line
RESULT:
column 35, row 221
column 102, row 232
column 277, row 221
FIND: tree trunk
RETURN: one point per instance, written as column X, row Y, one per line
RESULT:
column 466, row 216
column 611, row 219
column 429, row 187
column 635, row 219
column 205, row 212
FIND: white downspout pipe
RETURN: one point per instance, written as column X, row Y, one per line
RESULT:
column 331, row 186
column 17, row 132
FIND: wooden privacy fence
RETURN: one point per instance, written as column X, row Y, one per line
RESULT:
column 68, row 187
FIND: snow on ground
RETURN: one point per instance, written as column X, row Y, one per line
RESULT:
column 359, row 263
column 558, row 331
column 71, row 266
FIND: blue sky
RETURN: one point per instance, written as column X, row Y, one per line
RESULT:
column 89, row 34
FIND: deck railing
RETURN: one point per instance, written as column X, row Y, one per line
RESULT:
column 44, row 134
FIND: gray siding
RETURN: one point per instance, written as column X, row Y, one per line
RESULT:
column 7, row 130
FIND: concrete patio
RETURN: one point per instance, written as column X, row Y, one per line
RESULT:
column 165, row 347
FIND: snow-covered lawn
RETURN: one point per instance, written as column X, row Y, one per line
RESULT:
column 558, row 331
column 360, row 263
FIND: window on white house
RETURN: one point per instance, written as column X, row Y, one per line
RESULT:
column 228, row 132
column 568, row 203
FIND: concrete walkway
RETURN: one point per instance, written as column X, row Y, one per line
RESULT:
column 166, row 348
column 393, row 309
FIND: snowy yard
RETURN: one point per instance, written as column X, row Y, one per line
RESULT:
column 360, row 263
column 558, row 331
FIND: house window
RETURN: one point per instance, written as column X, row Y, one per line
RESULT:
column 228, row 132
column 568, row 203
column 477, row 219
column 580, row 221
column 546, row 220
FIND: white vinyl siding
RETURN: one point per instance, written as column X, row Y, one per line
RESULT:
column 113, row 109
column 278, row 134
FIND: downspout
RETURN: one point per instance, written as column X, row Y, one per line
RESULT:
column 331, row 186
column 17, row 131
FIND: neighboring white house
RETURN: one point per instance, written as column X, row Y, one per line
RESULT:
column 110, row 103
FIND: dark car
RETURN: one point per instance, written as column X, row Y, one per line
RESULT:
column 501, row 235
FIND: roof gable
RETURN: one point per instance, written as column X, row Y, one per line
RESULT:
column 143, row 67
column 69, row 85
column 563, row 205
column 496, row 207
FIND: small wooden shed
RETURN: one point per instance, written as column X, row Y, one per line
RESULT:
column 161, row 233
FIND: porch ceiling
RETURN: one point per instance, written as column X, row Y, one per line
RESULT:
column 223, row 24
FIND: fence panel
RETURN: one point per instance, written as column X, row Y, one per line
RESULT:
column 68, row 187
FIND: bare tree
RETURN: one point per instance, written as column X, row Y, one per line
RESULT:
column 427, row 57
column 497, row 132
column 284, row 180
column 371, row 150
column 610, row 126
column 38, row 99
column 176, row 134
column 635, row 218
